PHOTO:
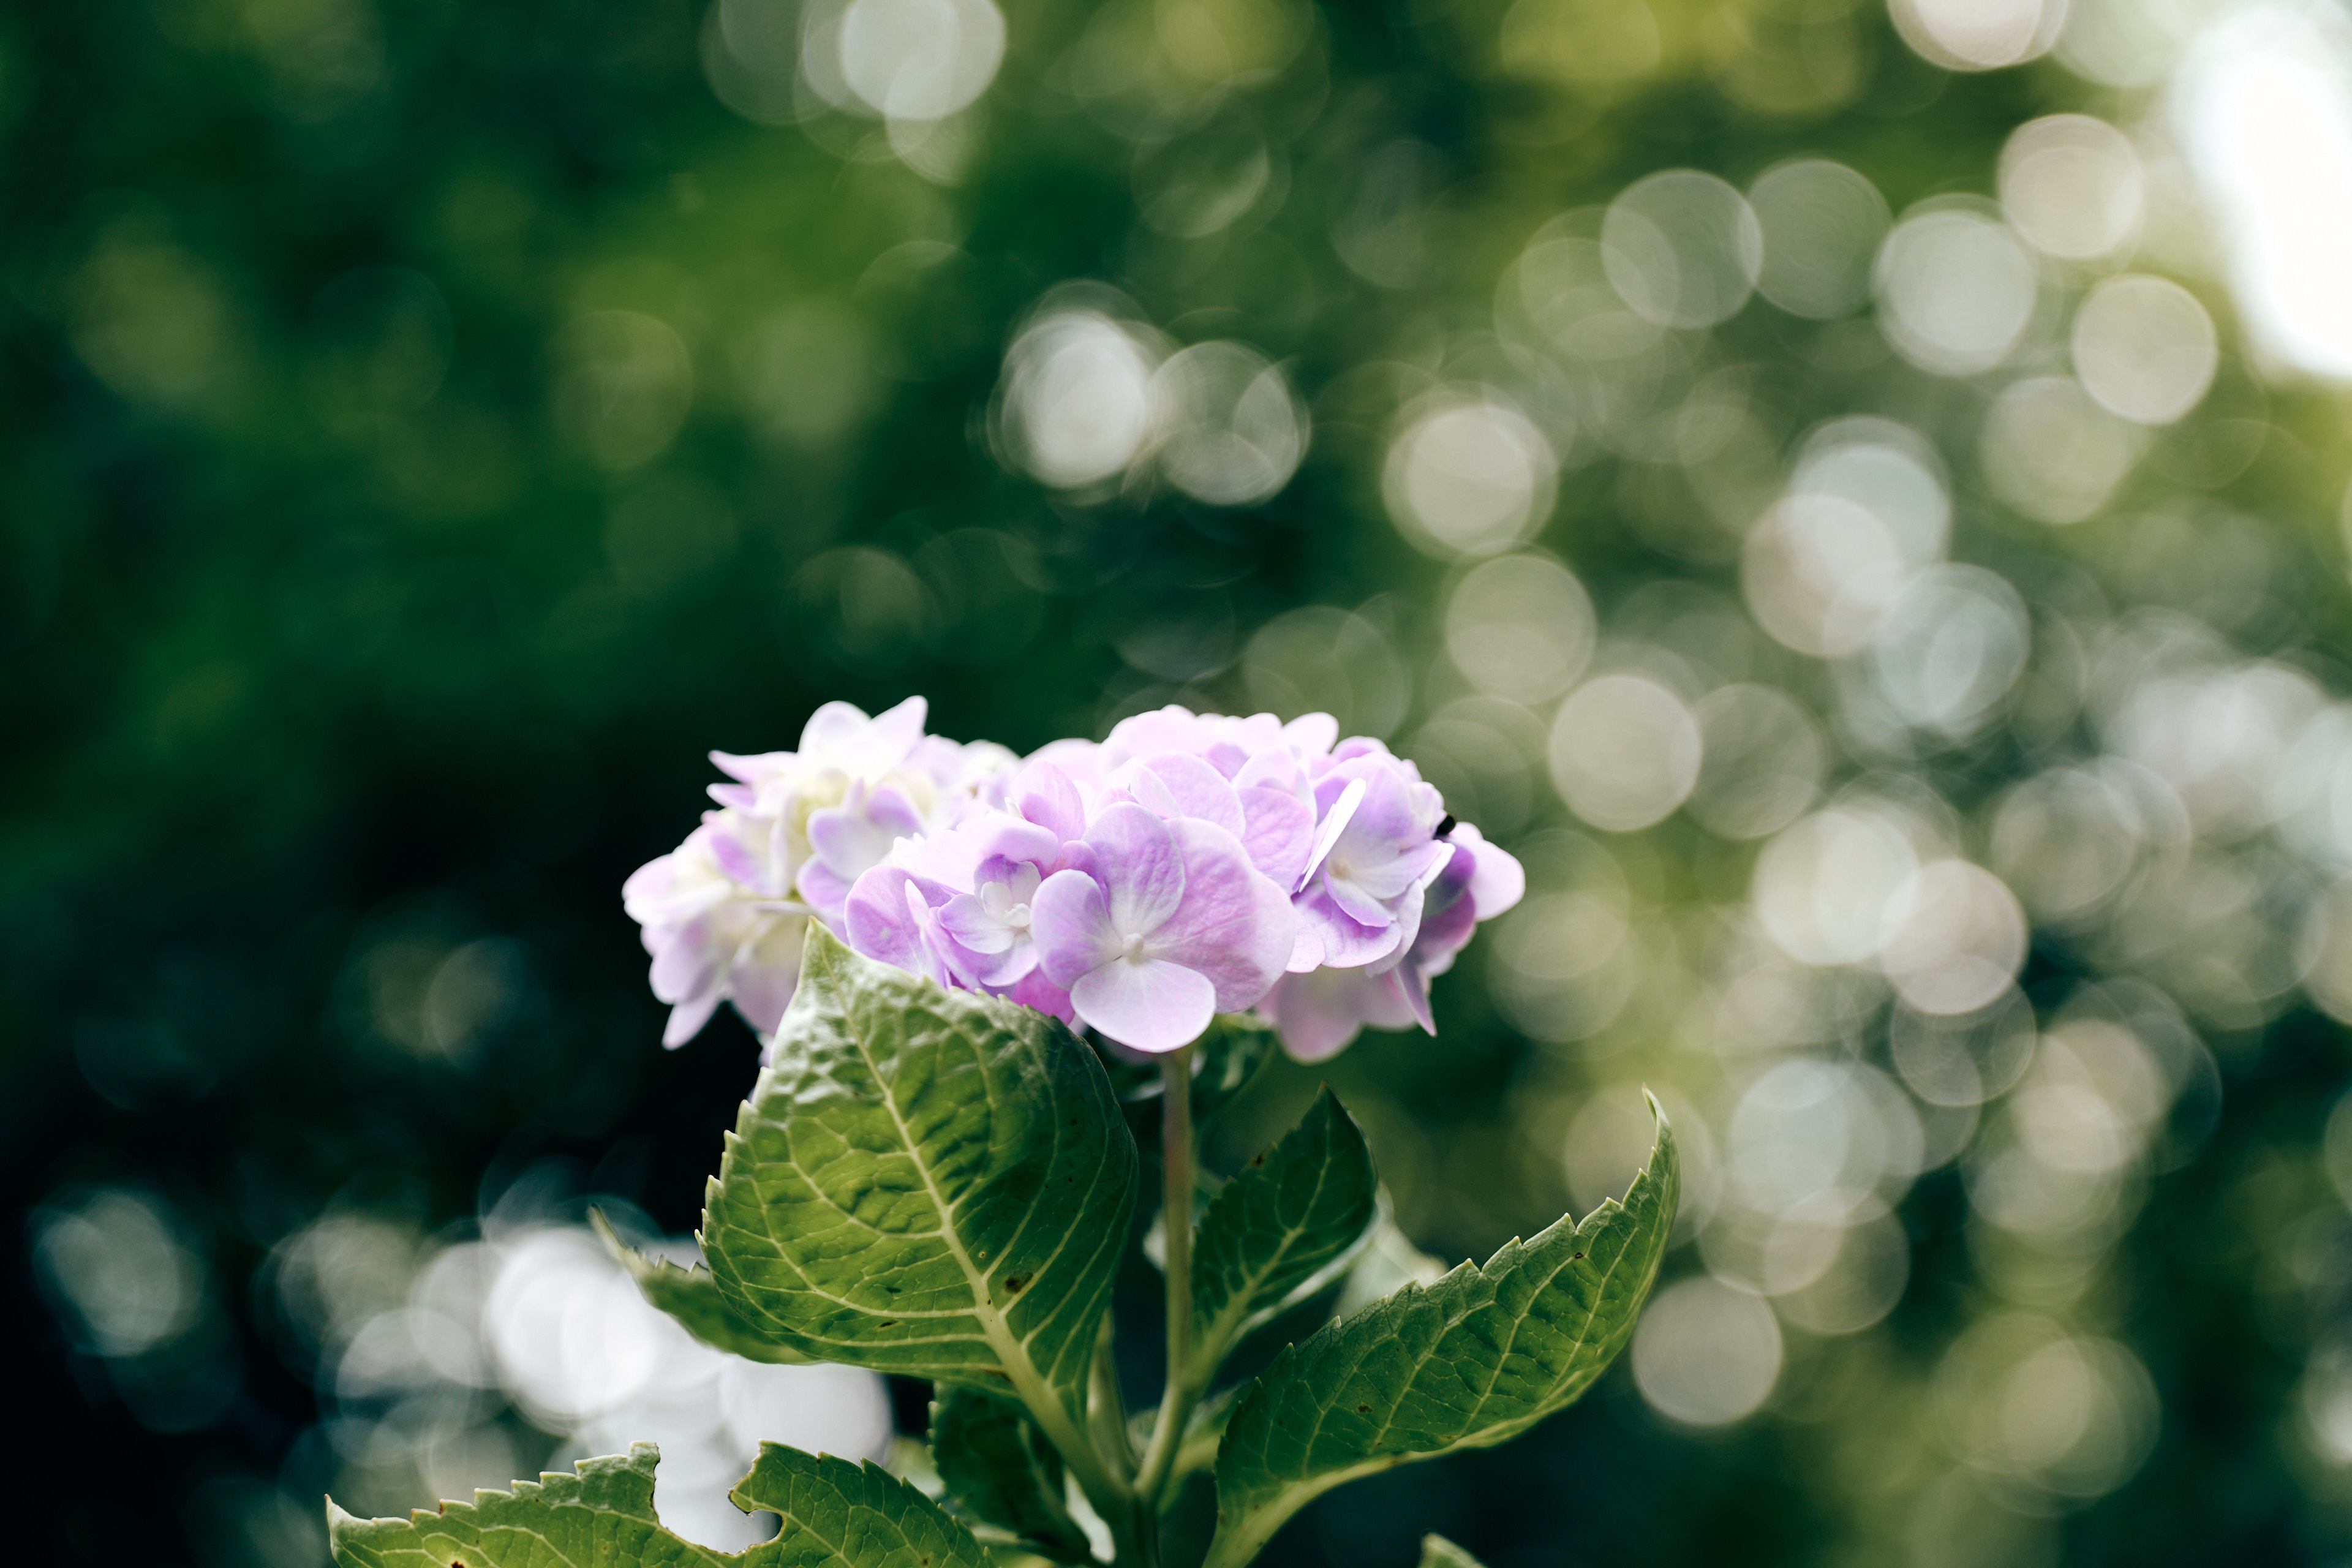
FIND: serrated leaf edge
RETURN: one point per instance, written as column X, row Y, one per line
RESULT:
column 1238, row 1540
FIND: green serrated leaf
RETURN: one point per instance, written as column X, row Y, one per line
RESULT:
column 996, row 1463
column 1286, row 1225
column 926, row 1181
column 1472, row 1361
column 692, row 1296
column 835, row 1514
column 1436, row 1551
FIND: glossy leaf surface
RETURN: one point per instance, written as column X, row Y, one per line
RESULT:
column 1472, row 1361
column 1289, row 1221
column 924, row 1182
column 835, row 1514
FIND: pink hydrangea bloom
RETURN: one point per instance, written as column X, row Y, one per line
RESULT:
column 1188, row 864
column 724, row 914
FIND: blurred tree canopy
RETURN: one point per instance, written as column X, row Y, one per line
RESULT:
column 1810, row 495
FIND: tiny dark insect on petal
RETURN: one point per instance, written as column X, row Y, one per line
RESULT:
column 1444, row 828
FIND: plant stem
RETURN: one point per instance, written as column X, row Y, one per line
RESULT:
column 1105, row 1411
column 1177, row 1181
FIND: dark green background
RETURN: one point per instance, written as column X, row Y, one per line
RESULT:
column 307, row 652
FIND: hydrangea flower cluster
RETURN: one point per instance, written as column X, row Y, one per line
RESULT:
column 1188, row 864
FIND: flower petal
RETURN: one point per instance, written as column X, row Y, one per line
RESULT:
column 877, row 921
column 767, row 971
column 1311, row 734
column 1500, row 881
column 1033, row 990
column 687, row 964
column 1335, row 822
column 1173, row 785
column 1142, row 871
column 1347, row 943
column 1278, row 833
column 1317, row 1015
column 1070, row 921
column 1043, row 793
column 1149, row 1004
column 1233, row 927
column 974, row 926
column 686, row 1019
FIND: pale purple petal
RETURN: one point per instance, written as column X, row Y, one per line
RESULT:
column 1173, row 785
column 898, row 728
column 1168, row 728
column 766, row 972
column 687, row 964
column 1033, row 990
column 1311, row 734
column 823, row 889
column 1410, row 908
column 936, row 757
column 1274, row 768
column 686, row 1019
column 1450, row 910
column 974, row 925
column 1500, row 881
column 1070, row 920
column 1278, row 833
column 675, row 887
column 1043, row 793
column 1234, row 926
column 1347, row 943
column 1336, row 818
column 1306, row 946
column 851, row 839
column 649, row 893
column 839, row 735
column 993, row 972
column 1410, row 989
column 1142, row 871
column 1080, row 762
column 1359, row 905
column 751, row 771
column 733, row 858
column 1317, row 1015
column 1000, row 836
column 834, row 726
column 1148, row 1005
column 877, row 922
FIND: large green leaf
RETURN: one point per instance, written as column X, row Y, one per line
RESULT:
column 692, row 1296
column 1472, row 1361
column 835, row 1515
column 926, row 1182
column 1287, row 1224
column 995, row 1462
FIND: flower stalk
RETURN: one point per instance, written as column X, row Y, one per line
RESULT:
column 1179, row 1178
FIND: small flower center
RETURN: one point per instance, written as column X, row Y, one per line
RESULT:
column 1132, row 947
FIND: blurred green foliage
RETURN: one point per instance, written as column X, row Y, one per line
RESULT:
column 429, row 429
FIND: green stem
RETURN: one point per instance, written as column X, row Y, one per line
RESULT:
column 1105, row 1411
column 1177, row 1181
